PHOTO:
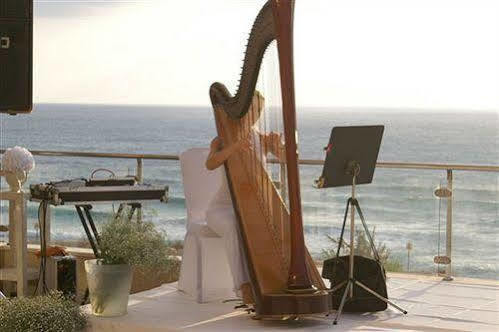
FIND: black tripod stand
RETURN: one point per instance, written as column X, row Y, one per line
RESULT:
column 348, row 149
column 353, row 168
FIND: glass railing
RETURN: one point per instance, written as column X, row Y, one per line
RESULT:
column 413, row 227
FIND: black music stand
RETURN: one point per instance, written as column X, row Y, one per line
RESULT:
column 351, row 159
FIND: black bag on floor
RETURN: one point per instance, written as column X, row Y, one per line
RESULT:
column 368, row 271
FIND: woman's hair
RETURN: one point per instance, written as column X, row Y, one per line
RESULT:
column 258, row 103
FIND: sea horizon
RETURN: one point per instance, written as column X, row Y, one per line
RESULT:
column 395, row 110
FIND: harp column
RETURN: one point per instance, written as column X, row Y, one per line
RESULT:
column 283, row 13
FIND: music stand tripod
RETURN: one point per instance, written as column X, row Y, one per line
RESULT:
column 348, row 149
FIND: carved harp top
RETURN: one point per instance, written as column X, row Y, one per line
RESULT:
column 262, row 34
column 297, row 290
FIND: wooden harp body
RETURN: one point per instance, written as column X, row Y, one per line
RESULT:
column 284, row 278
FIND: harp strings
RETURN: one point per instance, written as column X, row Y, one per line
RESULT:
column 271, row 118
column 264, row 118
column 255, row 126
column 271, row 179
column 280, row 167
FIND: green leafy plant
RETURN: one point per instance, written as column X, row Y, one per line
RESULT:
column 178, row 245
column 363, row 248
column 135, row 243
column 50, row 313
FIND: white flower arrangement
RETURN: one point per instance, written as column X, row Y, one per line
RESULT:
column 18, row 159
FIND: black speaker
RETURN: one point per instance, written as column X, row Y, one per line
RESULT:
column 66, row 274
column 16, row 56
column 366, row 270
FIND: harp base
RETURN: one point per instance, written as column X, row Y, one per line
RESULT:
column 294, row 317
column 283, row 305
column 301, row 290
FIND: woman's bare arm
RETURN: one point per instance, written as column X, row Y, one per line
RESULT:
column 220, row 153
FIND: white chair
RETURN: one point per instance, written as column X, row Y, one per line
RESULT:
column 205, row 273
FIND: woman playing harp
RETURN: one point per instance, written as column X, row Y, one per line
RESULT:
column 220, row 216
column 284, row 279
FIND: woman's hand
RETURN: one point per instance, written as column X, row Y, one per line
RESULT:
column 274, row 139
column 274, row 144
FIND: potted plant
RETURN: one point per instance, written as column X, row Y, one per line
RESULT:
column 50, row 313
column 124, row 244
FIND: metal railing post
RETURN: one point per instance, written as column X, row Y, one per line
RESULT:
column 139, row 173
column 140, row 180
column 448, row 228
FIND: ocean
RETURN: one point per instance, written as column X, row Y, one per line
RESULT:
column 399, row 204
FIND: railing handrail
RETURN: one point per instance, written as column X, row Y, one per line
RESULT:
column 396, row 165
column 46, row 153
column 429, row 166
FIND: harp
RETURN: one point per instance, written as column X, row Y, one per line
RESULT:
column 284, row 278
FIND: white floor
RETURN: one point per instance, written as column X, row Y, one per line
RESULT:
column 433, row 305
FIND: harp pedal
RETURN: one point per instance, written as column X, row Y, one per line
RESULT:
column 250, row 311
column 444, row 260
column 276, row 317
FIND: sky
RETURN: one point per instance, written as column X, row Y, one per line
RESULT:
column 423, row 54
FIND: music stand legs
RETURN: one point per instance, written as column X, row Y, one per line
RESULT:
column 351, row 279
column 350, row 284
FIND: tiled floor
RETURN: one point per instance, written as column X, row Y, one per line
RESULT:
column 433, row 305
